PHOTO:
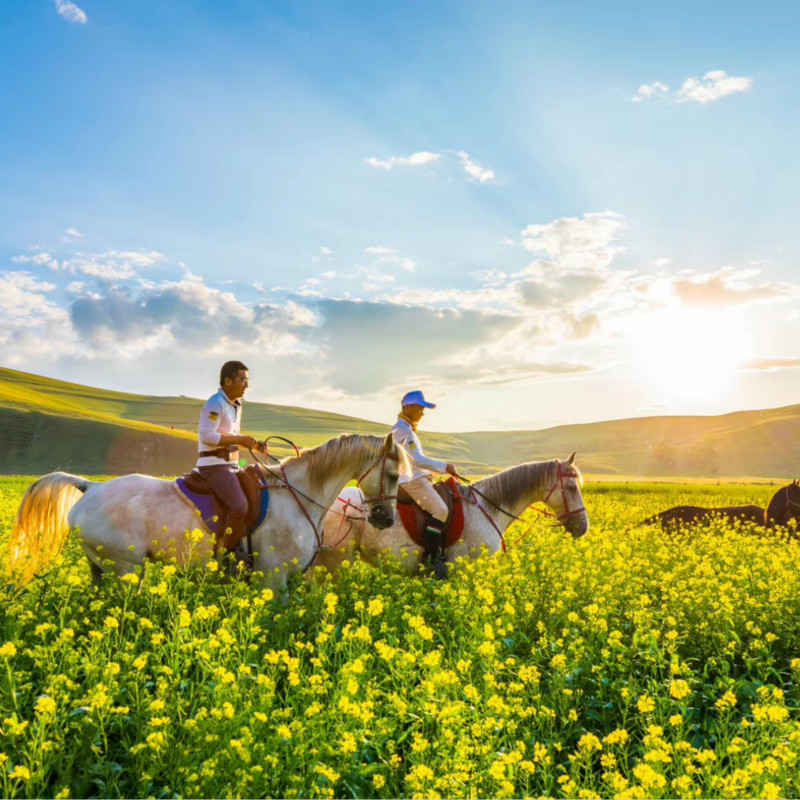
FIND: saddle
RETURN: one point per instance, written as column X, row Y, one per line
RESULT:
column 193, row 489
column 415, row 519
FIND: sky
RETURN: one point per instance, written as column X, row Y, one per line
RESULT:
column 539, row 213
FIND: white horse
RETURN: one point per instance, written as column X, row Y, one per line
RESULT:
column 488, row 511
column 127, row 519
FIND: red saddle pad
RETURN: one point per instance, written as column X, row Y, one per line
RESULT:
column 414, row 518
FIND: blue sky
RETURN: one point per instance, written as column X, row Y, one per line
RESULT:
column 539, row 213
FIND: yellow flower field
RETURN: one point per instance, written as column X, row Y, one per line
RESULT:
column 630, row 663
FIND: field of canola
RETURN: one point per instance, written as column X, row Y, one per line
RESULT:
column 626, row 664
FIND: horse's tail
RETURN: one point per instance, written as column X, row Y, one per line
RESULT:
column 41, row 526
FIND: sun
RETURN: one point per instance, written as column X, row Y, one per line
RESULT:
column 687, row 354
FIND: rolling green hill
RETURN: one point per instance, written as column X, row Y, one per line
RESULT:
column 47, row 424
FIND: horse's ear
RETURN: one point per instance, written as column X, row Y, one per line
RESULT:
column 388, row 442
column 570, row 460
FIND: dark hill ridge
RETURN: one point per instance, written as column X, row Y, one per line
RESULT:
column 47, row 424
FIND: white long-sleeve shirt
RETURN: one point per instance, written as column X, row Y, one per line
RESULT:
column 219, row 415
column 421, row 465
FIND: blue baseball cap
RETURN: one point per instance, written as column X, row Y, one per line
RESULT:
column 415, row 398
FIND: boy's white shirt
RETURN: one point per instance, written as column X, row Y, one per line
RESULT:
column 422, row 465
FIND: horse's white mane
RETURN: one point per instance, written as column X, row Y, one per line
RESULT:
column 511, row 484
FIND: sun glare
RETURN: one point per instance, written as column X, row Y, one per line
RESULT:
column 691, row 354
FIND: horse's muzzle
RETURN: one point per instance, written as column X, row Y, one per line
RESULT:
column 381, row 517
column 577, row 525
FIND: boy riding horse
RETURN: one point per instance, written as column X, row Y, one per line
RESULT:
column 418, row 483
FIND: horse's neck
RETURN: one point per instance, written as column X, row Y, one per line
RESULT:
column 324, row 492
column 519, row 487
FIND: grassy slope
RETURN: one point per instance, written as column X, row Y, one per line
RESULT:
column 49, row 424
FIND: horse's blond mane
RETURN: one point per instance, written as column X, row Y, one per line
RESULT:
column 326, row 458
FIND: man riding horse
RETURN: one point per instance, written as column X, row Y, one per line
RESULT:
column 418, row 483
column 218, row 447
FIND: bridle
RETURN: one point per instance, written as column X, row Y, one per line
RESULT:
column 559, row 483
column 387, row 456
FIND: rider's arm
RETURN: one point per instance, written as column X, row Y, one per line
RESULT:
column 413, row 448
column 210, row 436
column 242, row 439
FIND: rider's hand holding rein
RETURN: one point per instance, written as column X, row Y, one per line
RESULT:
column 249, row 442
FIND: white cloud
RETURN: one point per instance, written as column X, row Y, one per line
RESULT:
column 712, row 86
column 414, row 160
column 475, row 171
column 647, row 91
column 141, row 258
column 472, row 169
column 388, row 256
column 39, row 259
column 72, row 233
column 326, row 251
column 575, row 243
column 727, row 287
column 71, row 13
column 111, row 265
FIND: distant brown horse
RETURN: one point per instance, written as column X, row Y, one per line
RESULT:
column 784, row 506
column 691, row 515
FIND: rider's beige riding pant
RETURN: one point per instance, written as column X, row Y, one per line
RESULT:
column 424, row 495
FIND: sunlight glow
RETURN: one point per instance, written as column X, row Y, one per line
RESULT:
column 691, row 354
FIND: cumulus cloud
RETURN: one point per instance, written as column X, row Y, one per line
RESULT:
column 647, row 91
column 73, row 233
column 39, row 259
column 414, row 160
column 386, row 257
column 360, row 340
column 771, row 363
column 472, row 169
column 586, row 243
column 728, row 287
column 187, row 313
column 558, row 290
column 714, row 85
column 70, row 12
column 34, row 325
column 22, row 297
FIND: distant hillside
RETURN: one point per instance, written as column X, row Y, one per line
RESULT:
column 47, row 424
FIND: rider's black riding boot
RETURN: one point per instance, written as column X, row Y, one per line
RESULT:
column 434, row 548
